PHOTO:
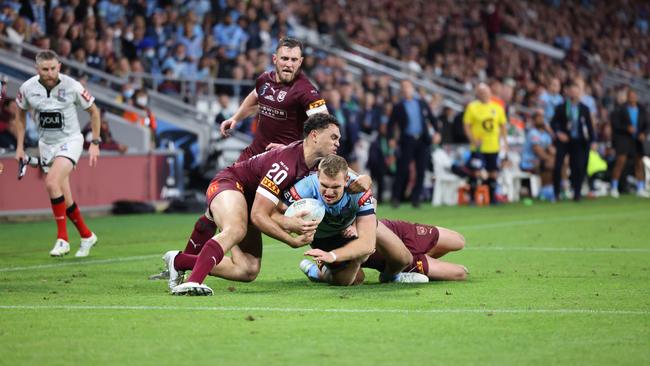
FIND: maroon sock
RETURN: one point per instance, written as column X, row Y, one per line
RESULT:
column 210, row 256
column 185, row 262
column 75, row 216
column 204, row 230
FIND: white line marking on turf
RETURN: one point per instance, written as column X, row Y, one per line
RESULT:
column 81, row 263
column 551, row 249
column 325, row 310
column 278, row 248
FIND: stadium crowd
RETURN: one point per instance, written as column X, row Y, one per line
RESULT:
column 197, row 39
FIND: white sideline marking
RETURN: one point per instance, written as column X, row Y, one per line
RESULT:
column 550, row 249
column 276, row 248
column 81, row 263
column 335, row 310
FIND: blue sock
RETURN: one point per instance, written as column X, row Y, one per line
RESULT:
column 313, row 273
column 386, row 278
column 640, row 185
column 615, row 184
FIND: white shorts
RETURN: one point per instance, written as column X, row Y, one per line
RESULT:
column 70, row 148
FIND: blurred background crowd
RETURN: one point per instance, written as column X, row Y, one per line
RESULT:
column 202, row 51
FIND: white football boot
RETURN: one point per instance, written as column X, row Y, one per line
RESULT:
column 192, row 289
column 411, row 277
column 61, row 248
column 175, row 277
column 86, row 244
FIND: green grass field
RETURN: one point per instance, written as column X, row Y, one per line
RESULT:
column 549, row 284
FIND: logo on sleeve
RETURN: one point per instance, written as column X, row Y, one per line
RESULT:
column 268, row 184
column 366, row 196
column 316, row 104
column 86, row 95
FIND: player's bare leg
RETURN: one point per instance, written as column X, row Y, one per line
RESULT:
column 348, row 275
column 448, row 241
column 445, row 271
column 245, row 260
column 54, row 183
column 230, row 213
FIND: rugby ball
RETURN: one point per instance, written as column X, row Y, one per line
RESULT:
column 315, row 209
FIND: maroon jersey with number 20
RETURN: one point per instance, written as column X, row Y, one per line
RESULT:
column 268, row 173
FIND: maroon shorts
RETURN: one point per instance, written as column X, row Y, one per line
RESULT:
column 222, row 183
column 418, row 238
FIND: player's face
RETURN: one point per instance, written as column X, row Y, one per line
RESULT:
column 48, row 70
column 327, row 140
column 287, row 63
column 331, row 189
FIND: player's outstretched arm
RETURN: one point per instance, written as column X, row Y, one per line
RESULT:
column 95, row 125
column 360, row 247
column 261, row 217
column 247, row 108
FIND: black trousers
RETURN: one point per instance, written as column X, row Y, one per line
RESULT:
column 578, row 151
column 410, row 149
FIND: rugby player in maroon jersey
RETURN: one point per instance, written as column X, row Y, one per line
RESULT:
column 251, row 189
column 283, row 99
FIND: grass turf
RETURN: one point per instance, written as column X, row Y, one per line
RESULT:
column 549, row 284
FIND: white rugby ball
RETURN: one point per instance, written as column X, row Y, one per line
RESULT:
column 315, row 209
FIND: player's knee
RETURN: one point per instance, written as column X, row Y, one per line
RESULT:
column 250, row 273
column 51, row 184
column 458, row 242
column 235, row 232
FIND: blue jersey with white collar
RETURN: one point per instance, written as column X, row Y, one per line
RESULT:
column 337, row 216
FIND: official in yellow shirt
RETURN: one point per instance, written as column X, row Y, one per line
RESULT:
column 484, row 122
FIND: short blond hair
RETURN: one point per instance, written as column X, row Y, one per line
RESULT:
column 332, row 165
column 46, row 55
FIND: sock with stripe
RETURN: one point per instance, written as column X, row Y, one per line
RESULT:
column 210, row 256
column 75, row 216
column 58, row 209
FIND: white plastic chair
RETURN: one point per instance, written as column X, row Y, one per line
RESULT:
column 445, row 188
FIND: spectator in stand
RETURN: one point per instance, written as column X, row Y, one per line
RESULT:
column 630, row 126
column 105, row 135
column 140, row 100
column 349, row 127
column 230, row 35
column 7, row 123
column 550, row 98
column 538, row 155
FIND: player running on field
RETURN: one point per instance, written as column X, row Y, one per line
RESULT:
column 283, row 99
column 53, row 97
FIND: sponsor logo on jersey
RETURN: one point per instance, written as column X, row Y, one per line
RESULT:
column 269, row 97
column 421, row 230
column 268, row 184
column 271, row 112
column 364, row 198
column 50, row 120
column 281, row 95
column 86, row 95
column 317, row 103
column 64, row 147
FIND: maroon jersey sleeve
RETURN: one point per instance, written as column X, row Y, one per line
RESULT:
column 283, row 167
column 307, row 95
